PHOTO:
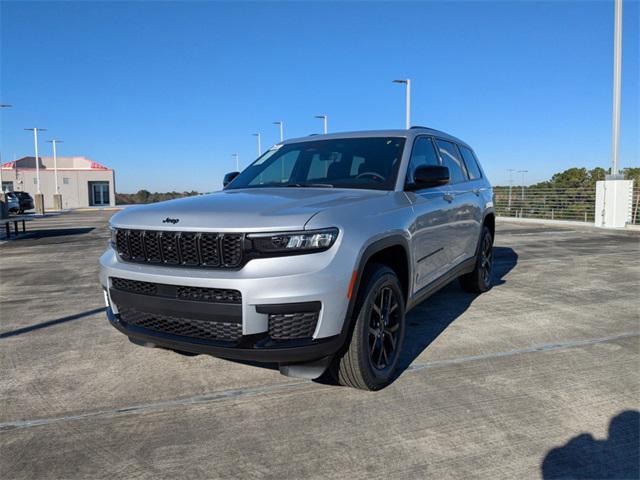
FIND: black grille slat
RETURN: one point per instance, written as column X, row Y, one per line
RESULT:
column 122, row 243
column 152, row 247
column 189, row 249
column 169, row 244
column 199, row 294
column 231, row 246
column 136, row 245
column 184, row 327
column 289, row 326
column 209, row 249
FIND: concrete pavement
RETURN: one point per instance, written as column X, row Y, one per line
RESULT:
column 523, row 381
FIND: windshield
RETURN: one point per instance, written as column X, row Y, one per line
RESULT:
column 367, row 163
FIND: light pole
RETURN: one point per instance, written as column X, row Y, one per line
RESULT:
column 39, row 199
column 257, row 135
column 407, row 82
column 237, row 157
column 325, row 119
column 523, row 172
column 57, row 198
column 510, row 170
column 281, row 123
column 617, row 80
column 4, row 213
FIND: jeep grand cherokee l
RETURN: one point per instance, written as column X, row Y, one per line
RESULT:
column 310, row 257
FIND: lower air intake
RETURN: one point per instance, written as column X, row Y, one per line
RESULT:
column 290, row 326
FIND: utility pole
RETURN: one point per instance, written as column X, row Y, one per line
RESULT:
column 281, row 123
column 39, row 198
column 407, row 82
column 57, row 198
column 523, row 172
column 324, row 122
column 257, row 135
column 237, row 157
column 4, row 212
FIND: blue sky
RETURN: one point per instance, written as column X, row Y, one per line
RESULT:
column 165, row 92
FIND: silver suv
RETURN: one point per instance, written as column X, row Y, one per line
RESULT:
column 310, row 258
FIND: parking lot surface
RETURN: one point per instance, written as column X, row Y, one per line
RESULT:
column 538, row 377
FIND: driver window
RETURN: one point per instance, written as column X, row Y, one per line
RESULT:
column 423, row 153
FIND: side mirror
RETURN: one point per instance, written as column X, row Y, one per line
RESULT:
column 427, row 176
column 228, row 178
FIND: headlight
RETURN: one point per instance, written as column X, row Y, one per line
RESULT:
column 294, row 242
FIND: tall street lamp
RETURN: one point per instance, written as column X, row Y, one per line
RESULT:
column 407, row 82
column 325, row 119
column 237, row 157
column 617, row 80
column 39, row 199
column 510, row 170
column 281, row 123
column 257, row 135
column 523, row 172
column 57, row 198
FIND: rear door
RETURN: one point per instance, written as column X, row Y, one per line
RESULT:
column 464, row 202
column 431, row 230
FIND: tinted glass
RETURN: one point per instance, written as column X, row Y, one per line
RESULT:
column 471, row 163
column 451, row 158
column 367, row 163
column 423, row 153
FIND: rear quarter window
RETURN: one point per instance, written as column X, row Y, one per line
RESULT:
column 471, row 162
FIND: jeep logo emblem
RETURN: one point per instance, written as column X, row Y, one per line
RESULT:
column 171, row 220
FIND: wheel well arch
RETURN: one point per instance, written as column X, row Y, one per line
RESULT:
column 490, row 222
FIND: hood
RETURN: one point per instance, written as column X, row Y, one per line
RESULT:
column 248, row 210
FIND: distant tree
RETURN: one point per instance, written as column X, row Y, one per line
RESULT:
column 632, row 174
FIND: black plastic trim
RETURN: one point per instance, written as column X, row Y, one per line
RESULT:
column 258, row 348
column 280, row 308
column 218, row 312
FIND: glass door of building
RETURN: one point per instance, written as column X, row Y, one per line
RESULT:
column 99, row 193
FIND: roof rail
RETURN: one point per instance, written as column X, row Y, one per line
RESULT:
column 419, row 126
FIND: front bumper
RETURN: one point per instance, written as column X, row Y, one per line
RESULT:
column 258, row 348
column 265, row 284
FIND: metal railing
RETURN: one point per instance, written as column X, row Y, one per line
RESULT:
column 576, row 204
column 635, row 205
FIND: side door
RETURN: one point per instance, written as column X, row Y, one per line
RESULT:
column 479, row 187
column 431, row 229
column 464, row 225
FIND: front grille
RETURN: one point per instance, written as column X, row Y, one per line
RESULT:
column 143, row 288
column 199, row 294
column 189, row 249
column 217, row 295
column 184, row 327
column 288, row 326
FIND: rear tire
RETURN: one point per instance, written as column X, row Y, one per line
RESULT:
column 481, row 278
column 370, row 361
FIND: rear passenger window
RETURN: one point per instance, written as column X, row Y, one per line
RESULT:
column 471, row 162
column 423, row 154
column 451, row 158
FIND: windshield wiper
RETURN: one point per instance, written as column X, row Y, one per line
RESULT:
column 309, row 185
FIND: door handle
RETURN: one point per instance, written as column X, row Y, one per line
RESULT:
column 448, row 197
column 476, row 191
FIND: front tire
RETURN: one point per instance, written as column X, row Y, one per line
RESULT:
column 481, row 278
column 371, row 358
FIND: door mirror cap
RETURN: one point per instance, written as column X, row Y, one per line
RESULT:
column 427, row 176
column 228, row 178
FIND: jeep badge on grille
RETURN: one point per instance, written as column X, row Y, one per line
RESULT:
column 171, row 220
